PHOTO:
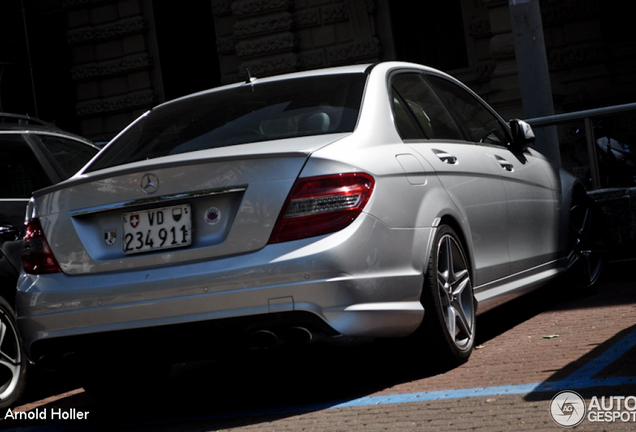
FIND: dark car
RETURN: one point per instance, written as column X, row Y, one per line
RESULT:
column 34, row 154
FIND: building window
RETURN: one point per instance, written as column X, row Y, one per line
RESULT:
column 187, row 47
column 429, row 32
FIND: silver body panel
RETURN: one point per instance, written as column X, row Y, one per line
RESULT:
column 329, row 277
column 363, row 281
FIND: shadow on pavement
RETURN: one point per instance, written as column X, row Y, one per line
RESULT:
column 239, row 391
column 609, row 368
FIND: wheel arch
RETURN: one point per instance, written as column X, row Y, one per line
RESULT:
column 8, row 288
column 452, row 222
column 8, row 293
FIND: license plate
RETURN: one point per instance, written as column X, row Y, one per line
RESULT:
column 157, row 229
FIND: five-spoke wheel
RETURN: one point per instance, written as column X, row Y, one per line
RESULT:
column 12, row 362
column 449, row 304
column 586, row 250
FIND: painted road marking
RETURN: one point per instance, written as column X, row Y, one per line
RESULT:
column 581, row 379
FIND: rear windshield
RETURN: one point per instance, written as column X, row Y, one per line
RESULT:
column 20, row 170
column 247, row 114
column 71, row 155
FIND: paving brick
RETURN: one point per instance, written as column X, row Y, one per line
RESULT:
column 543, row 338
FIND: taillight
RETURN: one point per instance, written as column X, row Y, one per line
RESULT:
column 321, row 205
column 37, row 257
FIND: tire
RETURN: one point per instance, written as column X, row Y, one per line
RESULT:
column 586, row 249
column 13, row 363
column 448, row 328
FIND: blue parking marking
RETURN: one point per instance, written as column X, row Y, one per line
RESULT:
column 615, row 352
column 581, row 379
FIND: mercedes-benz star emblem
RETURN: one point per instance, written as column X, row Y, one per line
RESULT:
column 149, row 183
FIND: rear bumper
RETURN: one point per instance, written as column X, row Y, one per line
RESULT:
column 360, row 282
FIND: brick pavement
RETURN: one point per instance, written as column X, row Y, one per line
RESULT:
column 547, row 347
column 546, row 338
column 475, row 414
column 481, row 414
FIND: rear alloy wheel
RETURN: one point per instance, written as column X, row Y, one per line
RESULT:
column 449, row 303
column 586, row 250
column 13, row 363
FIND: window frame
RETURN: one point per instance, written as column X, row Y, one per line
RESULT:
column 461, row 87
column 412, row 116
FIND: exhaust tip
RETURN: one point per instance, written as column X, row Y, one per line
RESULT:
column 59, row 362
column 298, row 335
column 49, row 363
column 262, row 339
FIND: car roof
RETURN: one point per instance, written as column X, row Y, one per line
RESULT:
column 357, row 68
column 360, row 68
column 26, row 124
column 18, row 121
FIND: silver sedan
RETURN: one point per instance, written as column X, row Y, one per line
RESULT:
column 349, row 203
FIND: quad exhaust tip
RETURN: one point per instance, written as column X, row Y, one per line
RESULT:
column 260, row 339
column 264, row 339
column 298, row 335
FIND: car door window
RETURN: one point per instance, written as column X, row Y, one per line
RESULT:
column 20, row 171
column 477, row 121
column 404, row 122
column 70, row 155
column 425, row 106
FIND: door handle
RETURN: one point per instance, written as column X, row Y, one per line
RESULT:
column 445, row 156
column 504, row 163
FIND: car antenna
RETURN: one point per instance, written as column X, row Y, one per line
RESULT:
column 249, row 79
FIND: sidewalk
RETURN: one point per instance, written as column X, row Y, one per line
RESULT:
column 527, row 352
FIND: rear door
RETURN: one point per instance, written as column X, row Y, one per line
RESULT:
column 467, row 171
column 532, row 209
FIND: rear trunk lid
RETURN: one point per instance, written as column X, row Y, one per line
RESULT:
column 188, row 207
column 201, row 177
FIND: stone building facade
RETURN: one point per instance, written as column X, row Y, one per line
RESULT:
column 125, row 56
column 113, row 68
column 279, row 36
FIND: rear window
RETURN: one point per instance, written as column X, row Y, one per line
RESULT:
column 20, row 171
column 71, row 155
column 251, row 113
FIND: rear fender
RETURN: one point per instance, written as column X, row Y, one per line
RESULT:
column 419, row 206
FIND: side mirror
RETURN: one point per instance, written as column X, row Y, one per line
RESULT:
column 9, row 233
column 522, row 134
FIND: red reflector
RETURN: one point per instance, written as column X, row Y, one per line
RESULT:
column 321, row 205
column 37, row 257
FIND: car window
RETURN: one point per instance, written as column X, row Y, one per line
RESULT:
column 71, row 155
column 246, row 114
column 477, row 121
column 20, row 171
column 429, row 111
column 404, row 122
